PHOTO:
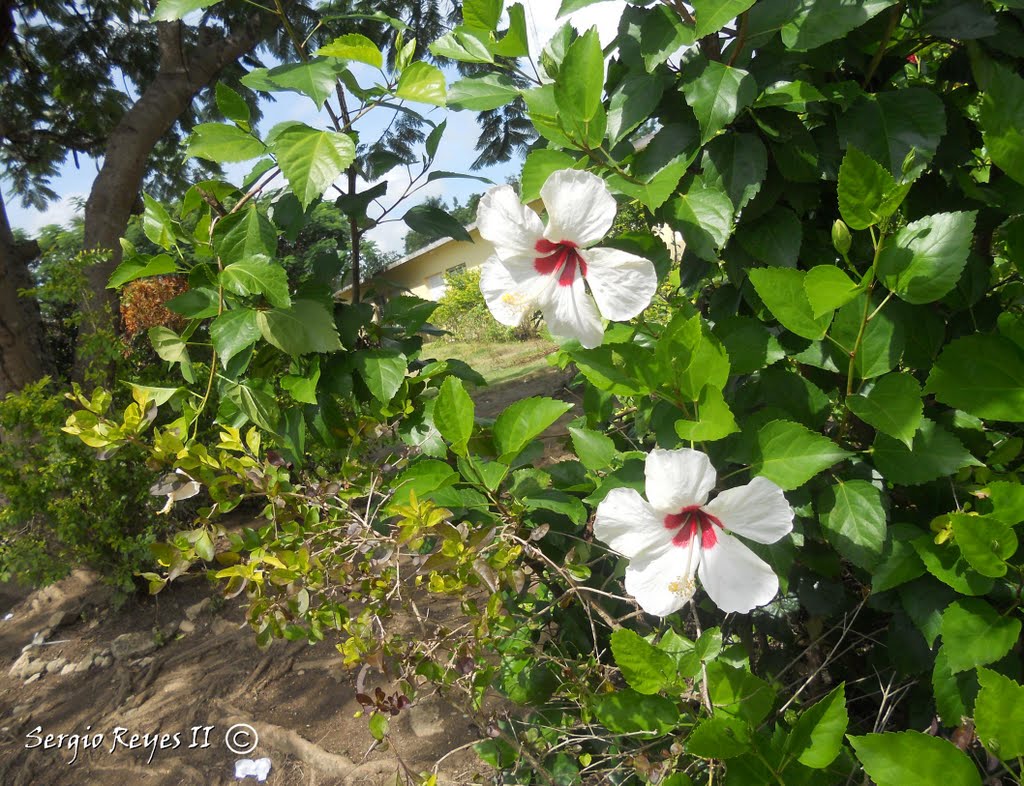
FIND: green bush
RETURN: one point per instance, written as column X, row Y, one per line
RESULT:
column 63, row 507
column 464, row 314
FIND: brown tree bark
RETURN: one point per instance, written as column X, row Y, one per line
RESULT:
column 115, row 192
column 22, row 359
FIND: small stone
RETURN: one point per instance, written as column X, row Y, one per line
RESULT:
column 132, row 645
column 223, row 627
column 55, row 666
column 196, row 609
column 186, row 627
column 20, row 663
column 21, row 709
column 69, row 668
column 61, row 618
column 83, row 666
column 32, row 679
column 33, row 667
column 104, row 662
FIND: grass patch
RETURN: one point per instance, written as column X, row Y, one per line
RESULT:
column 496, row 362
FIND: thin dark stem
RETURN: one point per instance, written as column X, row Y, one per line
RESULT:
column 894, row 18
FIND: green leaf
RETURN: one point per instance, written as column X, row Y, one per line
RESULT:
column 481, row 93
column 539, row 166
column 703, row 214
column 243, row 235
column 817, row 736
column 172, row 10
column 222, row 144
column 231, row 104
column 516, row 41
column 910, row 758
column 465, row 45
column 353, row 46
column 737, row 163
column 568, row 6
column 628, row 712
column 817, row 23
column 882, row 340
column 738, row 693
column 156, row 223
column 975, row 634
column 749, row 344
column 692, row 356
column 828, row 288
column 233, row 331
column 317, row 79
column 982, row 375
column 257, row 277
column 887, row 126
column 985, row 541
column 383, row 371
column 934, row 453
column 999, row 715
column 868, row 194
column 900, row 562
column 594, row 449
column 790, row 454
column 662, row 34
column 774, row 238
column 716, row 420
column 893, row 406
column 946, row 564
column 853, row 517
column 453, row 414
column 647, row 669
column 434, row 223
column 712, row 15
column 523, row 421
column 198, row 303
column 783, row 292
column 720, row 737
column 421, row 479
column 168, row 344
column 310, row 159
column 1007, row 501
column 482, row 14
column 580, row 82
column 305, row 327
column 717, row 94
column 793, row 96
column 631, row 103
column 925, row 259
column 422, row 82
column 558, row 502
column 133, row 269
column 1002, row 120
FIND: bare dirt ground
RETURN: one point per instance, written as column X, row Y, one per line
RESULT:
column 185, row 663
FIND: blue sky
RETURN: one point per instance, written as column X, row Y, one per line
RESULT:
column 456, row 152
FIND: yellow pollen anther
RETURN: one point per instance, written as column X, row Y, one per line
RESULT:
column 683, row 587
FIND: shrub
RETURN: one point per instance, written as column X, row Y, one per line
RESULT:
column 465, row 315
column 63, row 507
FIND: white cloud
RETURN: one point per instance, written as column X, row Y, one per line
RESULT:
column 60, row 212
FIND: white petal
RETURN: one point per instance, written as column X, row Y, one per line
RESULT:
column 735, row 578
column 570, row 312
column 677, row 479
column 511, row 226
column 580, row 207
column 758, row 511
column 623, row 284
column 658, row 584
column 629, row 526
column 508, row 301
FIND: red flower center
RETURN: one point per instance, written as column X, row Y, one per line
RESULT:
column 556, row 257
column 691, row 520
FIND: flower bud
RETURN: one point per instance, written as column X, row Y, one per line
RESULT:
column 841, row 237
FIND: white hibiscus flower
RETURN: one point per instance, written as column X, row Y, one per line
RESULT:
column 538, row 267
column 676, row 534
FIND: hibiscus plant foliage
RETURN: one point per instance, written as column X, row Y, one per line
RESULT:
column 835, row 361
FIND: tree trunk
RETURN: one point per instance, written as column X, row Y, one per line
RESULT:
column 22, row 359
column 115, row 191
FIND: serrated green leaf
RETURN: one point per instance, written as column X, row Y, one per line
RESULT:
column 233, row 331
column 539, row 166
column 383, row 371
column 887, row 126
column 823, row 21
column 580, row 81
column 244, row 235
column 423, row 83
column 782, row 290
column 316, row 79
column 853, row 517
column 717, row 93
column 720, row 737
column 434, row 223
column 703, row 214
column 353, row 46
column 594, row 449
column 975, row 634
column 999, row 715
column 305, row 327
column 817, row 736
column 524, row 421
column 828, row 288
column 982, row 375
column 909, row 758
column 934, row 453
column 453, row 414
column 985, row 541
column 481, row 93
column 258, row 277
column 222, row 144
column 946, row 564
column 231, row 104
column 1002, row 118
column 923, row 262
column 893, row 406
column 646, row 668
column 712, row 15
column 790, row 454
column 311, row 159
column 867, row 193
column 133, row 269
